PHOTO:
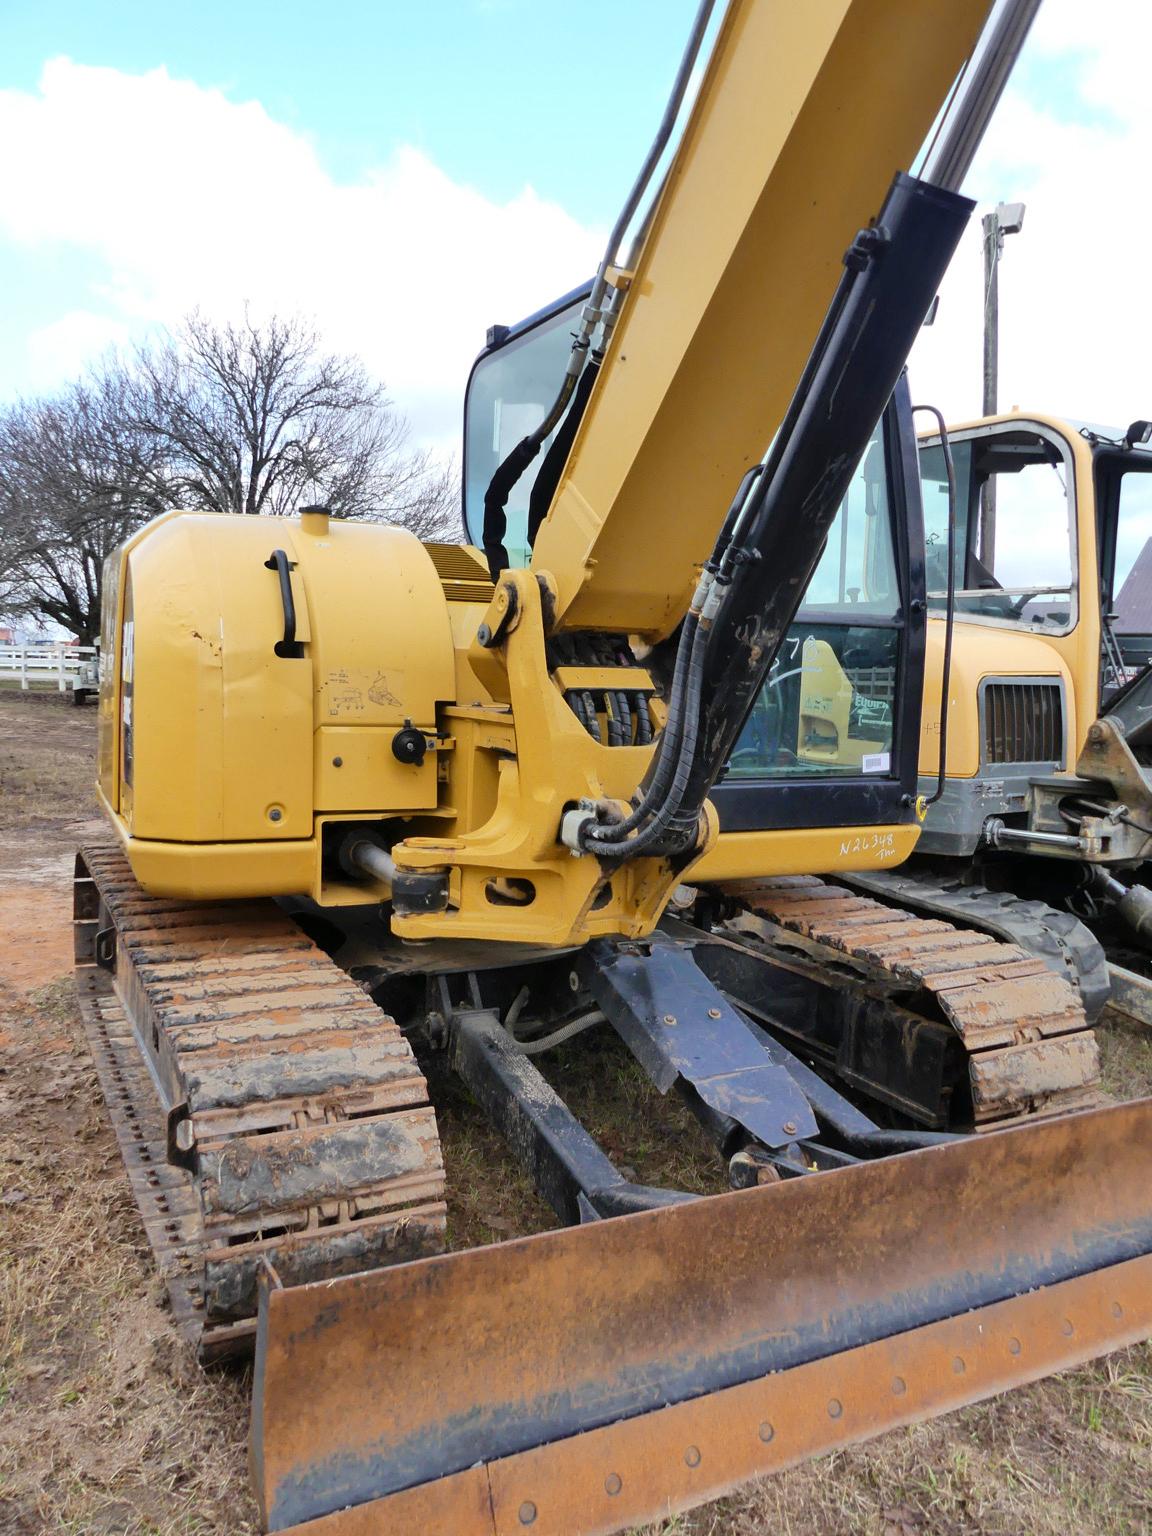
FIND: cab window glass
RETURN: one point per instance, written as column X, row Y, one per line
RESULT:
column 1014, row 521
column 827, row 708
column 509, row 394
column 857, row 569
column 828, row 705
column 1132, row 578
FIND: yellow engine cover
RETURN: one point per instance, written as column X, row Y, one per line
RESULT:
column 211, row 735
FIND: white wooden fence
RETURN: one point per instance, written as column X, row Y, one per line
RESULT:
column 59, row 664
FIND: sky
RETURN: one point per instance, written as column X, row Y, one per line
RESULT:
column 407, row 174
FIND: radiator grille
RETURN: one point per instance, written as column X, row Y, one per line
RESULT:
column 463, row 577
column 1023, row 723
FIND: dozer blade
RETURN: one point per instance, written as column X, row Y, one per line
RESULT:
column 589, row 1379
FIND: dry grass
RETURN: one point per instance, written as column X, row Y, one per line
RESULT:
column 47, row 746
column 1126, row 1058
column 106, row 1426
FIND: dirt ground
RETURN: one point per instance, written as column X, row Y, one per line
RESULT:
column 107, row 1426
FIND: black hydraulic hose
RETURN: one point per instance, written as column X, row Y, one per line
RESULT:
column 590, row 715
column 496, row 499
column 624, row 713
column 643, row 723
column 732, row 518
column 950, row 603
column 607, row 841
column 666, row 815
column 611, row 707
column 661, row 771
column 548, row 475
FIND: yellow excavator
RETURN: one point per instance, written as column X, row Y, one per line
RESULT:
column 1038, row 776
column 377, row 804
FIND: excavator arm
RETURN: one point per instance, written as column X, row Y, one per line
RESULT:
column 646, row 1362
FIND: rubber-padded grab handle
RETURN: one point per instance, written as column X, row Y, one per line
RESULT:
column 278, row 561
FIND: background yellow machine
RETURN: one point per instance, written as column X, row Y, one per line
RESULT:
column 376, row 802
column 1041, row 827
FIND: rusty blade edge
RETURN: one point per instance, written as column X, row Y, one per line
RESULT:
column 425, row 1369
column 651, row 1466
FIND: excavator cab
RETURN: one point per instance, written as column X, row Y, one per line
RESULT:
column 839, row 706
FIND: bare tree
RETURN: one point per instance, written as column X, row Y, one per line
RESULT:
column 220, row 418
column 259, row 419
column 75, row 480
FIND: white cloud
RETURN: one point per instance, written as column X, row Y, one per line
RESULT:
column 1074, row 330
column 183, row 198
column 57, row 350
column 174, row 195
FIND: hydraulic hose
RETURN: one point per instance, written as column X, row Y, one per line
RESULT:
column 612, row 841
column 656, row 149
column 733, row 518
column 577, row 1026
column 663, row 768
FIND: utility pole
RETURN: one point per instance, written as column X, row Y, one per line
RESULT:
column 1005, row 219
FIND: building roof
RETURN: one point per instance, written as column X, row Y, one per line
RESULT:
column 1133, row 603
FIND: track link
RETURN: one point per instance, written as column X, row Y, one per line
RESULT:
column 1065, row 944
column 269, row 1115
column 1022, row 1027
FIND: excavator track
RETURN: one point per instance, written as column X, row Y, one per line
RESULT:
column 270, row 1117
column 1023, row 1028
column 1065, row 944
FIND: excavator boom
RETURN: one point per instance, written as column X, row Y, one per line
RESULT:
column 787, row 154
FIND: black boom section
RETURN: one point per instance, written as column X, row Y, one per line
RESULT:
column 893, row 271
